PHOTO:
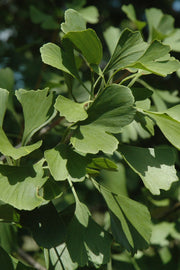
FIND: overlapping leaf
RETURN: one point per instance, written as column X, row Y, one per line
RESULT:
column 169, row 126
column 72, row 111
column 19, row 185
column 7, row 149
column 110, row 111
column 65, row 163
column 58, row 258
column 156, row 59
column 130, row 220
column 93, row 242
column 160, row 25
column 47, row 227
column 131, row 51
column 155, row 166
column 37, row 110
column 88, row 43
column 59, row 58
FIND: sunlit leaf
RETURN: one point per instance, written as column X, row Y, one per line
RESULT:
column 59, row 58
column 110, row 111
column 37, row 109
column 63, row 162
column 72, row 111
column 169, row 126
column 155, row 166
column 90, row 14
column 74, row 21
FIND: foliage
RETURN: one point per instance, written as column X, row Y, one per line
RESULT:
column 70, row 179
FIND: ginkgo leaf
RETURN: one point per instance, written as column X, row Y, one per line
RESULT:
column 88, row 43
column 4, row 94
column 37, row 109
column 111, row 110
column 19, row 185
column 72, row 111
column 169, row 126
column 130, row 220
column 93, row 242
column 7, row 149
column 74, row 21
column 155, row 166
column 59, row 58
column 63, row 163
column 130, row 12
column 156, row 59
column 129, row 49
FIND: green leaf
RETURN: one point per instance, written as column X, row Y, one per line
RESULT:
column 160, row 25
column 47, row 21
column 110, row 111
column 8, row 237
column 115, row 181
column 88, row 43
column 6, row 79
column 130, row 12
column 37, row 110
column 111, row 35
column 140, row 93
column 8, row 213
column 7, row 149
column 65, row 163
column 74, row 21
column 62, row 59
column 155, row 166
column 174, row 112
column 21, row 266
column 90, row 14
column 173, row 40
column 93, row 242
column 157, row 60
column 19, row 185
column 47, row 227
column 4, row 94
column 129, row 49
column 102, row 163
column 169, row 127
column 5, row 260
column 58, row 258
column 72, row 111
column 130, row 220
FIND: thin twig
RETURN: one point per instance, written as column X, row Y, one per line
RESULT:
column 29, row 260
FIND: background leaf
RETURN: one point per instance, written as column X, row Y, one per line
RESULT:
column 3, row 104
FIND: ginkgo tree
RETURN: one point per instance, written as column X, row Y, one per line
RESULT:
column 99, row 122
